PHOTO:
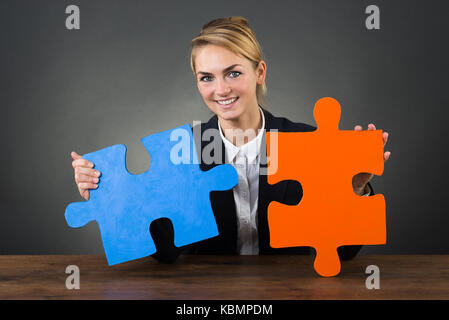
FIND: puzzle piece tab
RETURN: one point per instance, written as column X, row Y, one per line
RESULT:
column 330, row 214
column 124, row 205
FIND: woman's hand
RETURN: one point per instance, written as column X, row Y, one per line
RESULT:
column 360, row 181
column 85, row 177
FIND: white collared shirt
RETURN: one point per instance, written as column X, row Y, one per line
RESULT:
column 246, row 160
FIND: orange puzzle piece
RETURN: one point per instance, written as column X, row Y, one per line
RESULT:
column 329, row 214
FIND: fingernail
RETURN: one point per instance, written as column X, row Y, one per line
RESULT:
column 97, row 173
column 96, row 180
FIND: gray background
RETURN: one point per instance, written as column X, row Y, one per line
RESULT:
column 126, row 75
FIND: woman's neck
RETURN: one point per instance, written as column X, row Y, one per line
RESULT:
column 244, row 129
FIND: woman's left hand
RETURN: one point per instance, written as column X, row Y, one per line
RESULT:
column 360, row 181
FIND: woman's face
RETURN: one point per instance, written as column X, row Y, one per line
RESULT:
column 226, row 81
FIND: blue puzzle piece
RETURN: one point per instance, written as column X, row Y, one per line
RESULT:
column 124, row 205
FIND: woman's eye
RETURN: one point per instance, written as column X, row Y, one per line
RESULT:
column 234, row 74
column 205, row 78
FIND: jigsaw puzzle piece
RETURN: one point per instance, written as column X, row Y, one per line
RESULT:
column 124, row 205
column 190, row 187
column 123, row 230
column 330, row 214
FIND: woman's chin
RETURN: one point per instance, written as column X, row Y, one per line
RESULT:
column 228, row 115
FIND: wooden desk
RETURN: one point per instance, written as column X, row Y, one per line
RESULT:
column 222, row 277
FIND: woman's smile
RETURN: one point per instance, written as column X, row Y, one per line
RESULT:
column 228, row 103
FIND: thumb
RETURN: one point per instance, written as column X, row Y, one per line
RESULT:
column 75, row 156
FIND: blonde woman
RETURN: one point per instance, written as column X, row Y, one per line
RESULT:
column 229, row 71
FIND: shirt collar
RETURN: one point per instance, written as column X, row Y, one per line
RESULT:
column 251, row 149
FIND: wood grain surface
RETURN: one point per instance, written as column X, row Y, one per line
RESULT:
column 222, row 277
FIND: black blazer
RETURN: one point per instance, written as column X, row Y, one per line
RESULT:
column 223, row 205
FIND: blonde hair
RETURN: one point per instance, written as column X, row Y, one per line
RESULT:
column 234, row 34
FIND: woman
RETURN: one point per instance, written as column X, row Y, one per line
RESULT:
column 226, row 61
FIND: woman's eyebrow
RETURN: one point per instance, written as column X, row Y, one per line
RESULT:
column 224, row 70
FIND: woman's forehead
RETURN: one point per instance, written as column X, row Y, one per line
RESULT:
column 212, row 58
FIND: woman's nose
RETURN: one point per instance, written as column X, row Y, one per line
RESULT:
column 222, row 88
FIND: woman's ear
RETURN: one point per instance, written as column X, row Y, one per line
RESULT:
column 261, row 72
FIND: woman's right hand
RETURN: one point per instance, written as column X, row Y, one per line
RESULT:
column 86, row 177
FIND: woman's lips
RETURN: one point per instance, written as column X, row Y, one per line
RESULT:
column 228, row 106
